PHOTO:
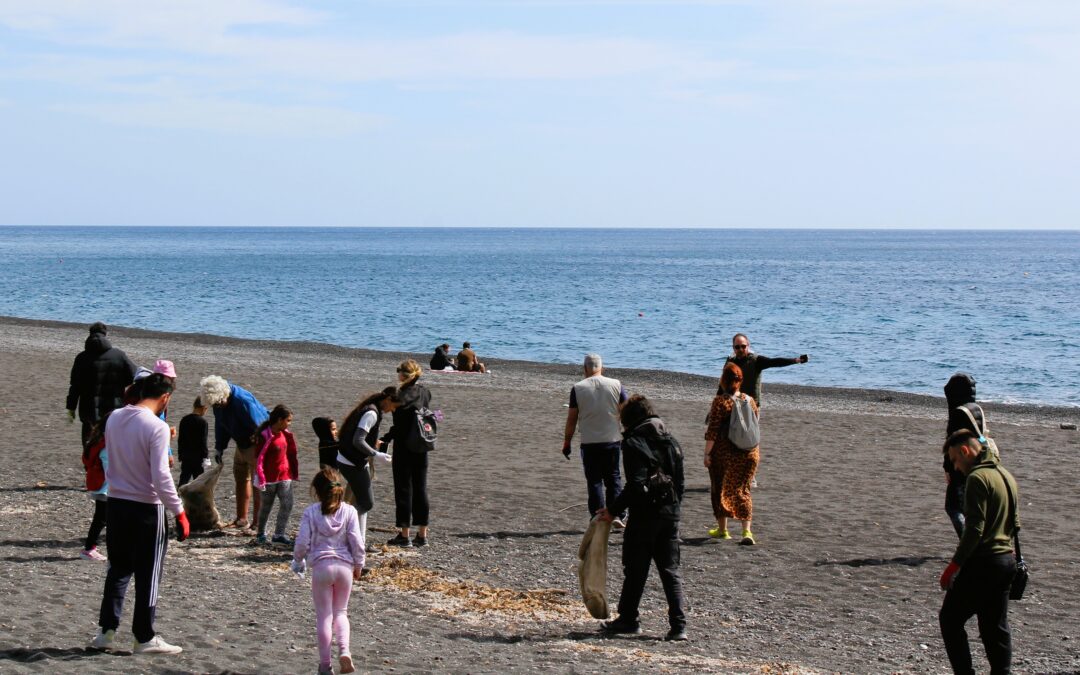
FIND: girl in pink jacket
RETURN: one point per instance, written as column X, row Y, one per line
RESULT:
column 330, row 542
column 276, row 467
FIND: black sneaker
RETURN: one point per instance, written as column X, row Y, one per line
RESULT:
column 400, row 541
column 620, row 626
column 419, row 541
column 676, row 635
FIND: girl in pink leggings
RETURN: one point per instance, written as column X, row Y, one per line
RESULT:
column 331, row 544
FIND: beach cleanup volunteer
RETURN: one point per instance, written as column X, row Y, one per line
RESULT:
column 237, row 415
column 140, row 490
column 977, row 579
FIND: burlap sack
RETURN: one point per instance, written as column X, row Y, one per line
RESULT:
column 592, row 571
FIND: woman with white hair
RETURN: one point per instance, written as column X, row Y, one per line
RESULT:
column 237, row 416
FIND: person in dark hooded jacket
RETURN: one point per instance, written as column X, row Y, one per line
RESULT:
column 959, row 393
column 652, row 531
column 99, row 376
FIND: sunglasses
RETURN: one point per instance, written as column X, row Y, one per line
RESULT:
column 740, row 346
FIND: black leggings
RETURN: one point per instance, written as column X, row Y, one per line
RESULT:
column 101, row 510
column 410, row 488
column 360, row 481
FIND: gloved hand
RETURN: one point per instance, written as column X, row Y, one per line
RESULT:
column 71, row 416
column 218, row 455
column 298, row 567
column 206, row 464
column 183, row 527
column 382, row 458
column 947, row 576
column 566, row 449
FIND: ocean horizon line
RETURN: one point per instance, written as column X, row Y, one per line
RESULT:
column 569, row 228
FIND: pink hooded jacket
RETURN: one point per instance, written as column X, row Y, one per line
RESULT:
column 326, row 538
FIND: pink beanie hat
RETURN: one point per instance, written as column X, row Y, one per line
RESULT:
column 165, row 368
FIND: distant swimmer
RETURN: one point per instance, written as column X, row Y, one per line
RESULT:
column 752, row 364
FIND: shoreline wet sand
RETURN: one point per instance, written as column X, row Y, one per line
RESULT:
column 848, row 514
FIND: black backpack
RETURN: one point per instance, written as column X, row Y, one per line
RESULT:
column 659, row 488
column 421, row 435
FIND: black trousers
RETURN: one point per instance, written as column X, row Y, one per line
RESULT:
column 954, row 503
column 645, row 541
column 137, row 536
column 189, row 471
column 87, row 427
column 360, row 481
column 602, row 477
column 97, row 524
column 980, row 588
column 410, row 488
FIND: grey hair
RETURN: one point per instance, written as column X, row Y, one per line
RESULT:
column 593, row 362
column 215, row 390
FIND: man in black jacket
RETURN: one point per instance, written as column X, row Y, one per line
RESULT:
column 752, row 364
column 99, row 376
column 652, row 532
column 959, row 393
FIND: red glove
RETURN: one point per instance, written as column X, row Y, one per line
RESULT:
column 183, row 526
column 946, row 580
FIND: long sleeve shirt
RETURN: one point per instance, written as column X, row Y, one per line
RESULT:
column 138, row 468
column 330, row 537
column 988, row 525
column 238, row 419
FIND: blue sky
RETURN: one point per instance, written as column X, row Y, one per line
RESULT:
column 541, row 113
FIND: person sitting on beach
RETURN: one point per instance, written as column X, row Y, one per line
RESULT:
column 99, row 376
column 237, row 416
column 652, row 531
column 752, row 364
column 731, row 469
column 326, row 430
column 441, row 359
column 192, row 443
column 411, row 504
column 359, row 445
column 276, row 467
column 594, row 410
column 467, row 362
column 141, row 489
column 331, row 544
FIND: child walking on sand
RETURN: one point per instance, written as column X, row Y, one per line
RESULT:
column 276, row 467
column 330, row 542
column 96, row 461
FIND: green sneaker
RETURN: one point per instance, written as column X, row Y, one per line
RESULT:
column 717, row 533
column 747, row 538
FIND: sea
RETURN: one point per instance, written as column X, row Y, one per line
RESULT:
column 899, row 310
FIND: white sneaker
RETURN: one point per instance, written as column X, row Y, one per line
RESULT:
column 156, row 645
column 618, row 524
column 92, row 554
column 105, row 640
column 345, row 661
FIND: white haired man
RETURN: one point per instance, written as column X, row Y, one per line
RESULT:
column 237, row 416
column 594, row 410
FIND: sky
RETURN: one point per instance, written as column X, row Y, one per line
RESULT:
column 541, row 113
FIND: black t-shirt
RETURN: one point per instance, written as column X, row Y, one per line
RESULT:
column 191, row 438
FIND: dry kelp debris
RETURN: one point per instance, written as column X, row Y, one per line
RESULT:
column 475, row 597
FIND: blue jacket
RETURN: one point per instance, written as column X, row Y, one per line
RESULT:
column 239, row 419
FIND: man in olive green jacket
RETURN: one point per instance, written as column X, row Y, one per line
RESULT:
column 977, row 579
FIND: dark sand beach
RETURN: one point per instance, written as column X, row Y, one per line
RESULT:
column 852, row 533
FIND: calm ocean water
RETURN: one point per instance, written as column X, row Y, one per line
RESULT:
column 895, row 310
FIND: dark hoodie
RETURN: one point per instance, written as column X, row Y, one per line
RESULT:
column 328, row 445
column 99, row 376
column 413, row 396
column 960, row 391
column 643, row 446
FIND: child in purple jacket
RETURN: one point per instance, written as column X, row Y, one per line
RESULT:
column 331, row 544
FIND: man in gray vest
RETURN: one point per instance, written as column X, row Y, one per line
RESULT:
column 594, row 410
